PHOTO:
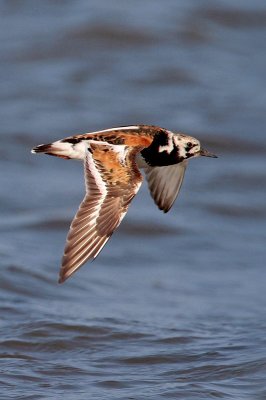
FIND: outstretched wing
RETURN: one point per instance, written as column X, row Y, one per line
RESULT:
column 164, row 183
column 112, row 180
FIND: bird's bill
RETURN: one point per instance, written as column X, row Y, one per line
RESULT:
column 206, row 153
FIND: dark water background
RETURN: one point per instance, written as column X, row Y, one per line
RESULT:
column 175, row 305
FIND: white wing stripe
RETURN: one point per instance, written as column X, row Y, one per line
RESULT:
column 121, row 128
column 89, row 163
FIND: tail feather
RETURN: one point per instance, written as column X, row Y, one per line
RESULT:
column 49, row 149
column 42, row 148
column 62, row 148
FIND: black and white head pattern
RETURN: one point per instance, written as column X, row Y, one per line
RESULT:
column 170, row 148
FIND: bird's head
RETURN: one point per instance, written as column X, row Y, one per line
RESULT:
column 190, row 147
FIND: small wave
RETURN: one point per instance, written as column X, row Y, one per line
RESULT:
column 236, row 18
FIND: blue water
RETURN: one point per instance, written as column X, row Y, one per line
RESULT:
column 174, row 306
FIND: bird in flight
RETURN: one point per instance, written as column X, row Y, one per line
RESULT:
column 112, row 162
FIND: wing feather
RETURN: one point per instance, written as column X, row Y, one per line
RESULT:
column 112, row 180
column 164, row 183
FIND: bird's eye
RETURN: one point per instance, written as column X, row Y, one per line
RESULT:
column 189, row 146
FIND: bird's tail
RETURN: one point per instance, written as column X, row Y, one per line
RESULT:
column 59, row 149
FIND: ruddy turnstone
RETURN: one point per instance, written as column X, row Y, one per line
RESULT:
column 112, row 159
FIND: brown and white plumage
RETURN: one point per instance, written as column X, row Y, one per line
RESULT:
column 112, row 180
column 112, row 159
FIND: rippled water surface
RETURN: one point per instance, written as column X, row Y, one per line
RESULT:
column 174, row 307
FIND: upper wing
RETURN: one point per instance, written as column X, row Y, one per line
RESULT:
column 76, row 146
column 164, row 183
column 112, row 180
